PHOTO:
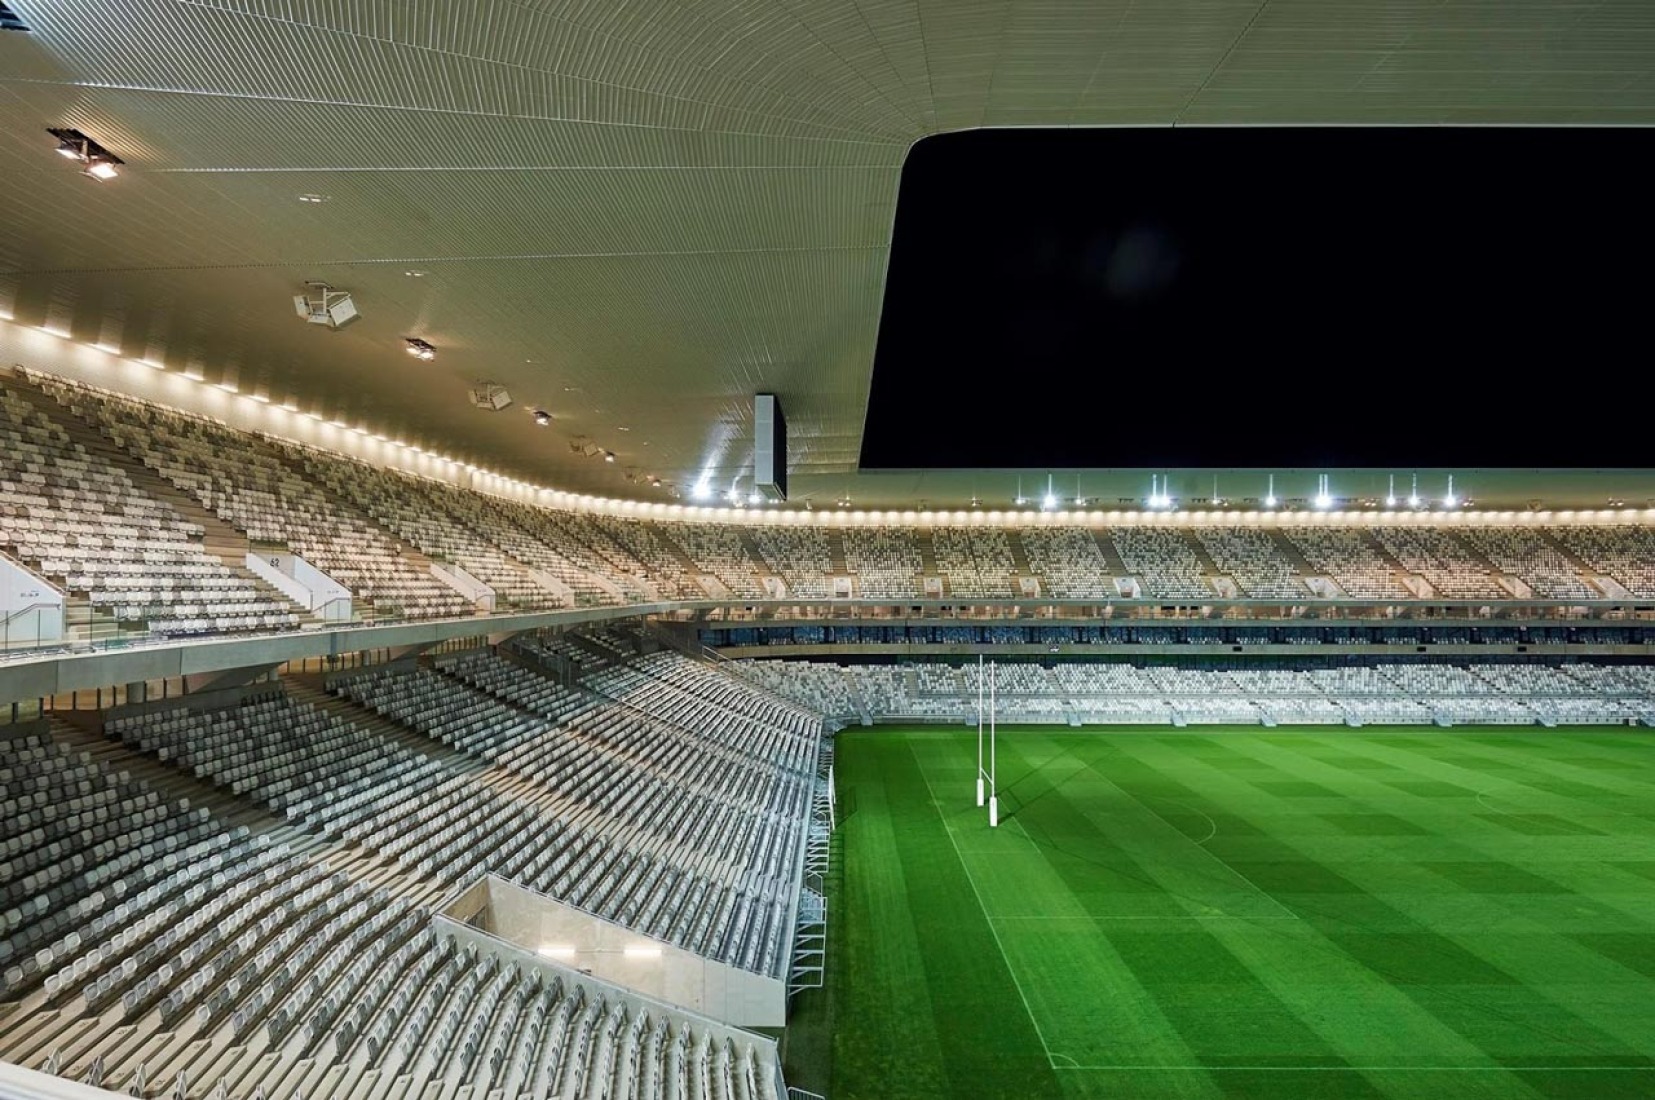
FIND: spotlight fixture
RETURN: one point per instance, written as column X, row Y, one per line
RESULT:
column 1324, row 498
column 701, row 490
column 98, row 162
column 543, row 418
column 323, row 305
column 419, row 349
column 609, row 456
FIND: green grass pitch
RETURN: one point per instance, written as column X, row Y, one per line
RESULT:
column 1243, row 913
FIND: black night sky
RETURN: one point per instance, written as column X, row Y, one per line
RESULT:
column 1253, row 297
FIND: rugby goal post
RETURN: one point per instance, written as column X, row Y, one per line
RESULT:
column 985, row 777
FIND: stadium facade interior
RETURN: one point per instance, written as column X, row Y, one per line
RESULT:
column 429, row 696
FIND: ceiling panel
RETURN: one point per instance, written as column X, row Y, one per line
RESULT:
column 637, row 212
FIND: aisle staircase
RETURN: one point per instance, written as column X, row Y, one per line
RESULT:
column 928, row 560
column 1112, row 562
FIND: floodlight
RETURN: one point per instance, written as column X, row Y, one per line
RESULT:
column 1324, row 498
column 543, row 418
column 419, row 349
column 490, row 397
column 325, row 306
column 99, row 163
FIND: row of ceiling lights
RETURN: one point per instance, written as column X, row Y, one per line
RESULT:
column 1322, row 500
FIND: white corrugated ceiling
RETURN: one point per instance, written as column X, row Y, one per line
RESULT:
column 636, row 213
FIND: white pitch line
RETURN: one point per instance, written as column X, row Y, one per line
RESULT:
column 995, row 932
column 1167, row 917
column 1070, row 1064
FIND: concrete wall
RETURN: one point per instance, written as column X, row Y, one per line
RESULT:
column 31, row 610
column 630, row 960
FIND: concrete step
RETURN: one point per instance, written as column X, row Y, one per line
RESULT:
column 750, row 544
column 836, row 551
column 1019, row 553
column 1111, row 556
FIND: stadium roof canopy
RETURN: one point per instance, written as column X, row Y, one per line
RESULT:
column 637, row 213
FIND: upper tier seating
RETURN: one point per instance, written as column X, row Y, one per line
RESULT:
column 512, row 527
column 576, row 551
column 640, row 540
column 1163, row 562
column 885, row 561
column 1252, row 559
column 1069, row 563
column 1351, row 557
column 81, row 523
column 801, row 556
column 1625, row 554
column 977, row 562
column 717, row 549
column 1434, row 554
column 370, row 529
column 248, row 485
column 1528, row 556
column 417, row 509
